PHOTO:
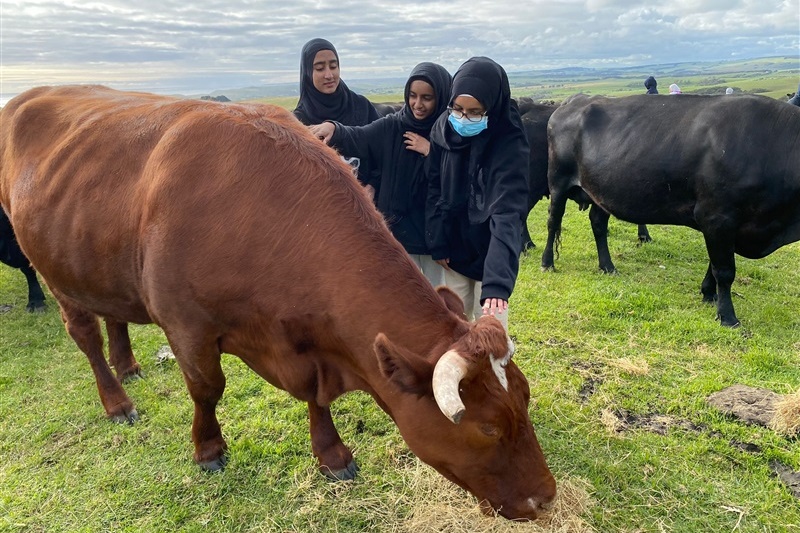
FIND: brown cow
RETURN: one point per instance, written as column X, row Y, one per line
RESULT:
column 235, row 230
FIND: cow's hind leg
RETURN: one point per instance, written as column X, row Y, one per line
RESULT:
column 35, row 294
column 558, row 204
column 84, row 328
column 199, row 359
column 335, row 459
column 599, row 219
column 708, row 288
column 119, row 351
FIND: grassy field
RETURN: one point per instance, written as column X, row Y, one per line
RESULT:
column 620, row 367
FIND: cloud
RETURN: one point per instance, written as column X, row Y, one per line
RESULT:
column 215, row 44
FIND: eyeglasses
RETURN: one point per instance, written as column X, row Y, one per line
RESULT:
column 472, row 117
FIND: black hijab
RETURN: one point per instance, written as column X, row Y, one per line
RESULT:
column 466, row 180
column 651, row 85
column 437, row 77
column 343, row 105
column 402, row 183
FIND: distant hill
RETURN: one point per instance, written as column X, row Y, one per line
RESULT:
column 556, row 83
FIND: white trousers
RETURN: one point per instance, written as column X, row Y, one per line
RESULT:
column 469, row 290
column 432, row 270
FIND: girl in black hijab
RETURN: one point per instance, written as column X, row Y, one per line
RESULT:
column 478, row 189
column 323, row 95
column 397, row 147
column 651, row 85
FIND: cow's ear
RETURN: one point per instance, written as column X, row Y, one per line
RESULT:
column 408, row 372
column 451, row 300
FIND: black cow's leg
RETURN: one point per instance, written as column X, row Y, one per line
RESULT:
column 723, row 269
column 599, row 220
column 335, row 459
column 35, row 294
column 527, row 241
column 708, row 288
column 84, row 328
column 644, row 235
column 202, row 370
column 558, row 204
column 119, row 351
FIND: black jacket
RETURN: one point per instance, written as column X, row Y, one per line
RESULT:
column 400, row 179
column 478, row 189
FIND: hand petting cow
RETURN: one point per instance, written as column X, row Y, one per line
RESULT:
column 728, row 167
column 235, row 230
column 11, row 255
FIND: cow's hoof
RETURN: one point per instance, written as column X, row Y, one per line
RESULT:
column 644, row 239
column 610, row 271
column 217, row 465
column 346, row 474
column 710, row 299
column 133, row 375
column 550, row 268
column 130, row 418
column 36, row 307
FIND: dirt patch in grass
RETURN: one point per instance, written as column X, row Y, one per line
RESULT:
column 749, row 404
column 755, row 406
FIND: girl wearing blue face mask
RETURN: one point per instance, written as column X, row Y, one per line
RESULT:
column 477, row 192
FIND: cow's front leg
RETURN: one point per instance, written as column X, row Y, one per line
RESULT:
column 335, row 459
column 723, row 269
column 202, row 371
column 599, row 219
column 644, row 235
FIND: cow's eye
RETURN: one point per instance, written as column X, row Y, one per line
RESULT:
column 490, row 430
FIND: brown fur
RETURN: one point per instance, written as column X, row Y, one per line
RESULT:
column 235, row 230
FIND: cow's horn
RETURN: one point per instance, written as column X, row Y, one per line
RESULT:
column 449, row 372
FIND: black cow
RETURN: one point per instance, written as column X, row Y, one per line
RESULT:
column 384, row 109
column 534, row 120
column 795, row 98
column 11, row 255
column 728, row 167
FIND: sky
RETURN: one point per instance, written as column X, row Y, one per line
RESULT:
column 199, row 46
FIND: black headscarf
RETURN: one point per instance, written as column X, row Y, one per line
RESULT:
column 397, row 193
column 437, row 77
column 343, row 105
column 651, row 84
column 461, row 181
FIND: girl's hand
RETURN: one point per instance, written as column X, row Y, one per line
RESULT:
column 494, row 306
column 417, row 143
column 323, row 131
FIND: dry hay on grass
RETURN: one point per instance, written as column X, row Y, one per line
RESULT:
column 428, row 503
column 639, row 367
column 440, row 506
column 786, row 420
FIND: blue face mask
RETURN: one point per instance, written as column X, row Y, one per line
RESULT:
column 466, row 128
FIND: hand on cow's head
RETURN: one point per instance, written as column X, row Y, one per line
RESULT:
column 488, row 447
column 481, row 354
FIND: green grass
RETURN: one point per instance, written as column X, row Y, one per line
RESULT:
column 64, row 467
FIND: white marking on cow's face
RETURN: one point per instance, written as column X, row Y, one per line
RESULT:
column 499, row 367
column 499, row 364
